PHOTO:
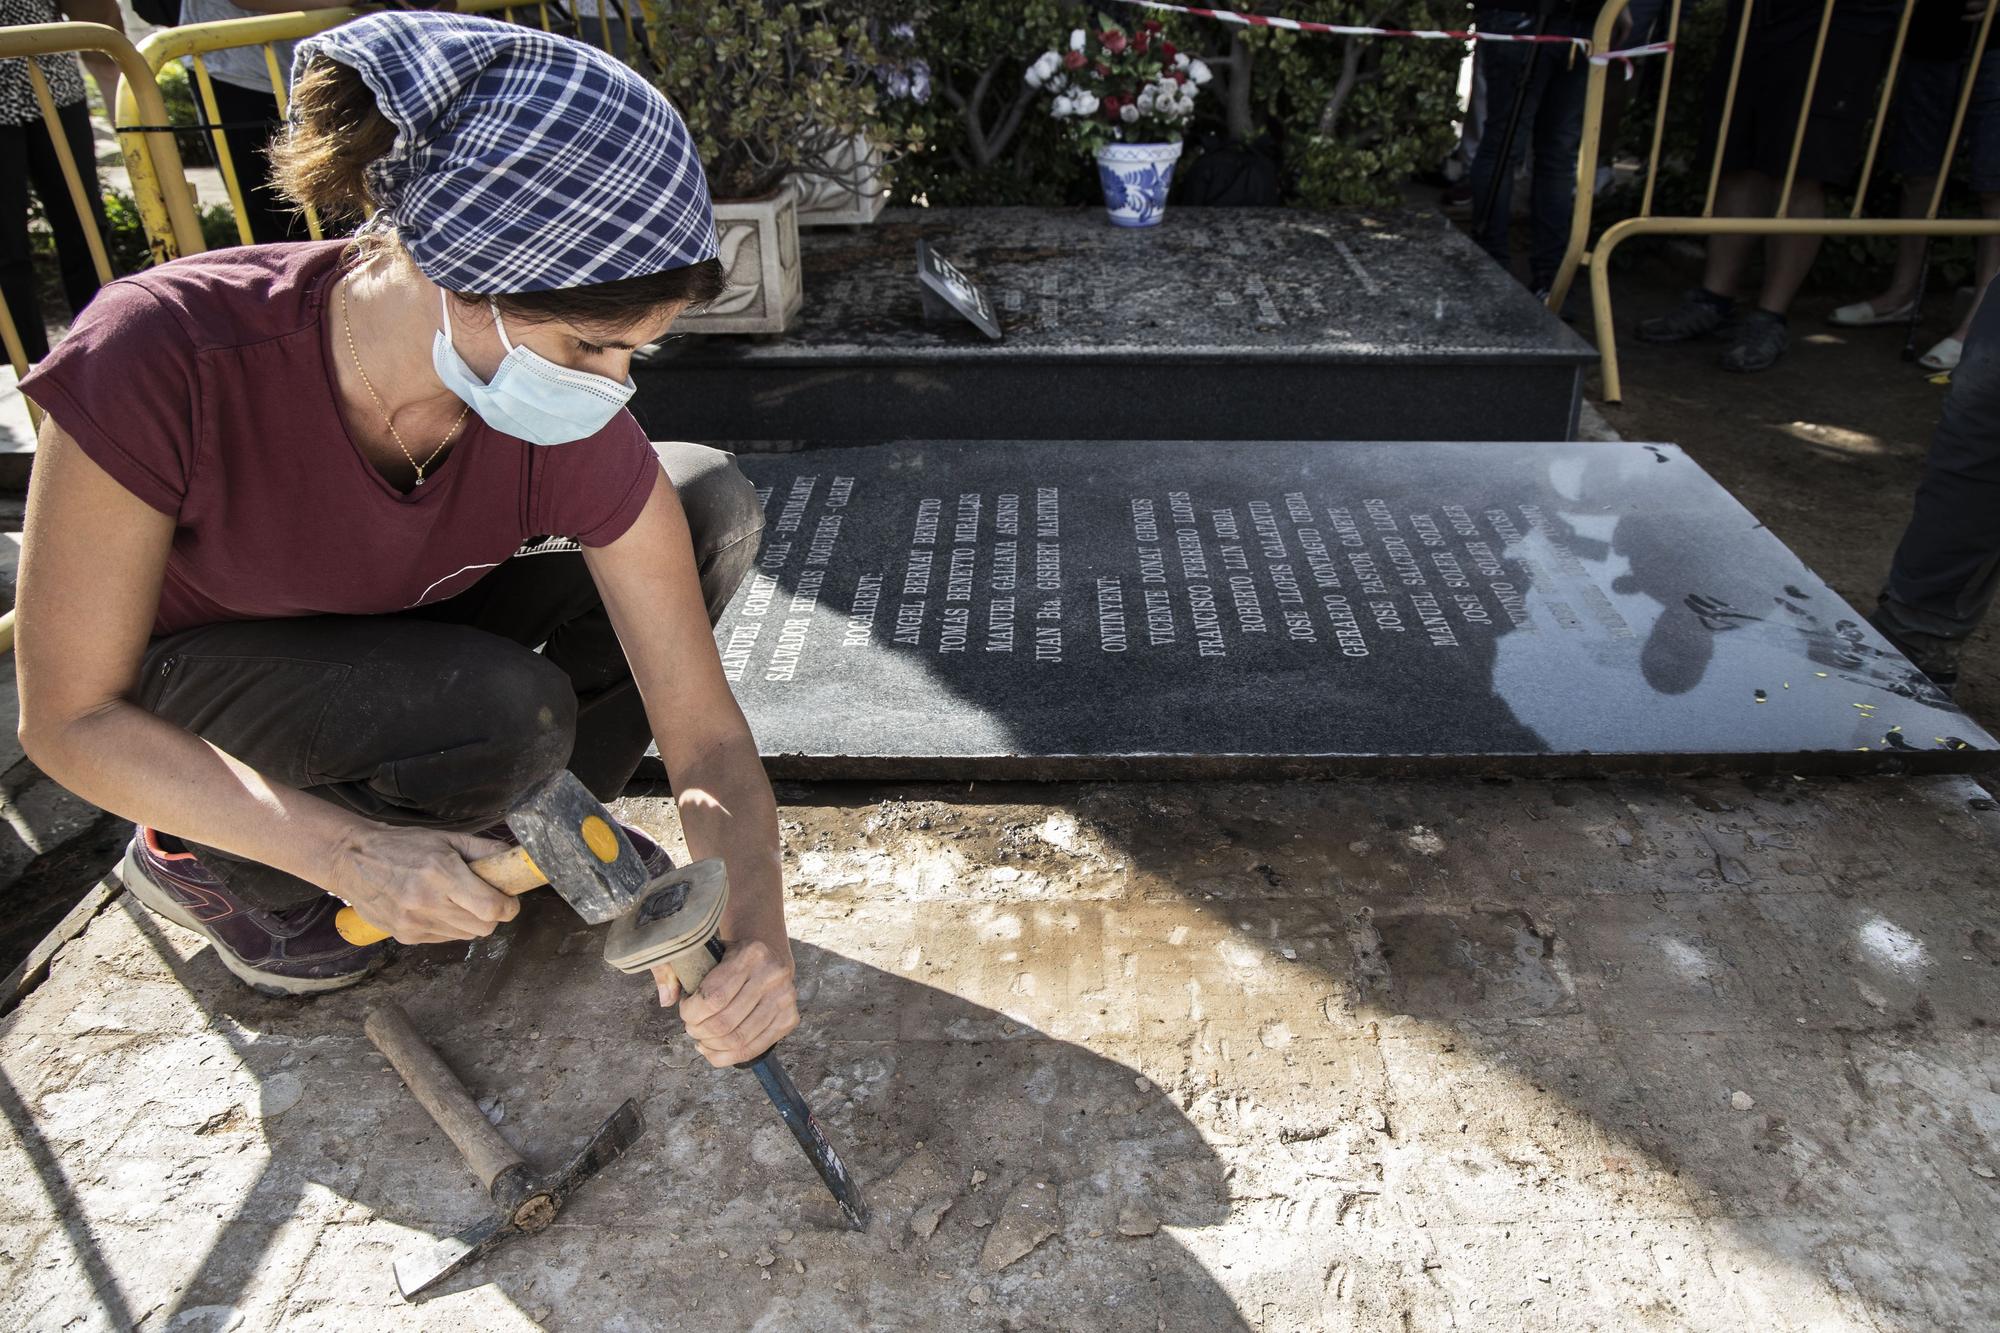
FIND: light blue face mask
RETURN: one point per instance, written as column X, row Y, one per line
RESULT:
column 529, row 396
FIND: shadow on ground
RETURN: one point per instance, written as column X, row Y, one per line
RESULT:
column 256, row 1159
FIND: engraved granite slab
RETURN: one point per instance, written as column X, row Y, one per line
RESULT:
column 1174, row 609
column 1219, row 323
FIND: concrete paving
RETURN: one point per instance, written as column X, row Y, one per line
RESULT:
column 1578, row 1055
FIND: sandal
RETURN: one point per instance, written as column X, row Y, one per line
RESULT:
column 1944, row 356
column 1864, row 315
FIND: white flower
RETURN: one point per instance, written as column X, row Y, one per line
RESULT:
column 1128, row 113
column 1180, row 60
column 1039, row 72
column 1076, row 39
column 1148, row 98
column 1086, row 103
column 1062, row 107
column 1199, row 72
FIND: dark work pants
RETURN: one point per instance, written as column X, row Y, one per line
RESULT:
column 442, row 717
column 254, row 118
column 28, row 156
column 1551, row 119
column 1942, row 580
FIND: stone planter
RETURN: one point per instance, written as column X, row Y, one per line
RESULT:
column 848, row 192
column 759, row 241
column 1135, row 177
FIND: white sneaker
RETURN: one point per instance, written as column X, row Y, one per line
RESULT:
column 1864, row 315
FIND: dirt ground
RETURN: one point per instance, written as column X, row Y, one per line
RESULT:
column 1826, row 447
column 1301, row 1057
column 1465, row 1054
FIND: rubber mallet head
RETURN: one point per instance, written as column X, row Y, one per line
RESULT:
column 579, row 847
column 673, row 924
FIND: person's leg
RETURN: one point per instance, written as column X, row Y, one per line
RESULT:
column 1943, row 576
column 1558, row 139
column 1788, row 259
column 1986, row 259
column 79, row 270
column 1739, row 194
column 1906, row 279
column 1762, row 336
column 395, row 719
column 1510, row 82
column 270, row 217
column 17, row 255
column 1912, row 149
column 1707, row 308
column 545, row 597
column 1982, row 129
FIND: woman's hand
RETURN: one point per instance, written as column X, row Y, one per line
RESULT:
column 745, row 1004
column 415, row 884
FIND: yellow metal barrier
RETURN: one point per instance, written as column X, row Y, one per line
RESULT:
column 150, row 159
column 151, row 162
column 1597, row 258
column 197, row 41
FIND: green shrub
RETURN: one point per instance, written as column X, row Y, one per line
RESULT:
column 766, row 87
column 177, row 90
column 125, row 244
column 1351, row 117
column 1355, row 116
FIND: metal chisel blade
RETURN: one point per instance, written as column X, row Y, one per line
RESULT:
column 799, row 1119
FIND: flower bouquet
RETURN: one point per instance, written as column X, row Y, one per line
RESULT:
column 1127, row 95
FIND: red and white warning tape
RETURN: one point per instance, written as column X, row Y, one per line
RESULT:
column 1426, row 34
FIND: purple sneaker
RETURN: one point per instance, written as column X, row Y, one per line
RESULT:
column 294, row 952
column 658, row 862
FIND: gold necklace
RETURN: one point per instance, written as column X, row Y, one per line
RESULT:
column 347, row 324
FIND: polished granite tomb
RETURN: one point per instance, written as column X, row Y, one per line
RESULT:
column 1225, row 324
column 991, row 610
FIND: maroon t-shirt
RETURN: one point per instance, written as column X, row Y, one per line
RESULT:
column 205, row 387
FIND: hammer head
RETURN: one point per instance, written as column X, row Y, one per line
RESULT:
column 579, row 846
column 416, row 1273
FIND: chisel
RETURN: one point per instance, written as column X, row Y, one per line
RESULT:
column 676, row 924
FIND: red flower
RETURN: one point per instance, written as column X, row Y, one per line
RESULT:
column 1073, row 60
column 1103, row 70
column 1179, row 75
column 1114, row 41
column 1152, row 25
column 1144, row 40
column 1168, row 50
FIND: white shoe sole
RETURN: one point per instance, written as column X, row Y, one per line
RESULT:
column 141, row 886
column 1873, row 321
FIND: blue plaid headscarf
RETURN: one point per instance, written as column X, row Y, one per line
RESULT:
column 523, row 161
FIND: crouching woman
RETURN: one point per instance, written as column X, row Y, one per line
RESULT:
column 336, row 549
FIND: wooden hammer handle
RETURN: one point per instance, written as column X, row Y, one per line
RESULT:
column 434, row 1085
column 513, row 872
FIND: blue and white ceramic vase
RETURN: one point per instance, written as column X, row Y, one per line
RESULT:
column 1135, row 178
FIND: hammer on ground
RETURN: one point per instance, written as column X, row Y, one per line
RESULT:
column 567, row 840
column 527, row 1202
column 676, row 924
